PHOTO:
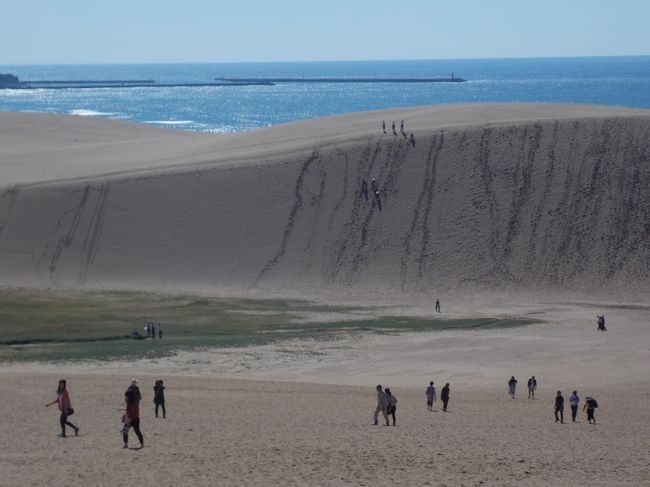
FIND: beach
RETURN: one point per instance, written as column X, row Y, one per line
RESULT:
column 502, row 211
column 232, row 432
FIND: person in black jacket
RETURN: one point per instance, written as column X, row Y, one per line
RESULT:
column 559, row 407
column 444, row 396
column 159, row 397
column 136, row 390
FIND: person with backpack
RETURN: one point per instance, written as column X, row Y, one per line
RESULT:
column 392, row 404
column 65, row 406
column 131, row 417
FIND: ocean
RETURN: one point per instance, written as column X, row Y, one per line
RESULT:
column 621, row 81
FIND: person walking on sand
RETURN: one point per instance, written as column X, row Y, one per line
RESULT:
column 65, row 406
column 438, row 306
column 382, row 405
column 394, row 131
column 600, row 321
column 160, row 330
column 383, row 126
column 159, row 397
column 401, row 127
column 512, row 386
column 574, row 402
column 392, row 404
column 431, row 396
column 131, row 417
column 590, row 406
column 444, row 396
column 532, row 385
column 559, row 407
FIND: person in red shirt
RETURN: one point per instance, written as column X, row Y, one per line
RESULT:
column 65, row 406
column 132, row 416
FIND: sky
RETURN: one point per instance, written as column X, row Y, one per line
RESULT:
column 186, row 31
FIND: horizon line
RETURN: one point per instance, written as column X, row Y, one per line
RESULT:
column 330, row 60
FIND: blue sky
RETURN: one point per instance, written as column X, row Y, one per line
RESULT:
column 134, row 31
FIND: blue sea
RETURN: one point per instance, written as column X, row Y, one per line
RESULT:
column 622, row 81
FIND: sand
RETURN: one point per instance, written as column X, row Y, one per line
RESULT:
column 541, row 198
column 229, row 432
column 534, row 211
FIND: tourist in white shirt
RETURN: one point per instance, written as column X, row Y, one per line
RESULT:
column 574, row 401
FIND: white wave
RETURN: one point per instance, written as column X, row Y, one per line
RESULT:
column 170, row 122
column 82, row 112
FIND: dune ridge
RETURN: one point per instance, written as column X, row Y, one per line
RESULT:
column 543, row 198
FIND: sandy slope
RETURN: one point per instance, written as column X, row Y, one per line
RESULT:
column 538, row 197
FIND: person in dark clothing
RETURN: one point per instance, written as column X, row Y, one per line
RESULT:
column 532, row 386
column 512, row 386
column 444, row 396
column 401, row 127
column 383, row 126
column 559, row 407
column 159, row 397
column 590, row 406
column 394, row 131
column 392, row 404
column 601, row 323
column 65, row 406
column 438, row 306
column 364, row 189
column 378, row 198
column 134, row 387
column 131, row 417
column 373, row 185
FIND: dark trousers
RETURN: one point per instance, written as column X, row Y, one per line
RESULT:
column 590, row 415
column 574, row 412
column 444, row 404
column 64, row 421
column 391, row 412
column 162, row 405
column 135, row 424
column 559, row 411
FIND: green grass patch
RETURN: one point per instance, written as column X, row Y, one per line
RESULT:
column 73, row 326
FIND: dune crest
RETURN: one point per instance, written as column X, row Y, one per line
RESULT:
column 488, row 197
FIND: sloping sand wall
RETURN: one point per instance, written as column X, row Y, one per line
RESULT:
column 540, row 203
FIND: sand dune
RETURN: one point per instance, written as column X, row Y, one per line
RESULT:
column 498, row 200
column 490, row 197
